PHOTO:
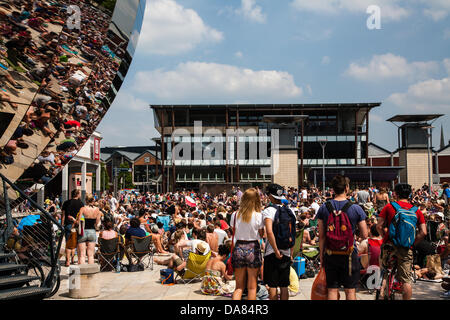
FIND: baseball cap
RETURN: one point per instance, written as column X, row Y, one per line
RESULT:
column 275, row 190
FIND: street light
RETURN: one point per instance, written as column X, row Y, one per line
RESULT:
column 323, row 143
column 429, row 146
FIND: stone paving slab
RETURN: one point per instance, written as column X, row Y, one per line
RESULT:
column 145, row 285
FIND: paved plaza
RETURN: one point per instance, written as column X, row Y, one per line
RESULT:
column 145, row 285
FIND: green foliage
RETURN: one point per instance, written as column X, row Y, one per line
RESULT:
column 127, row 177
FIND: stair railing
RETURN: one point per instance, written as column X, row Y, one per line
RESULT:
column 43, row 238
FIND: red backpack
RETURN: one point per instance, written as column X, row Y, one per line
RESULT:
column 339, row 234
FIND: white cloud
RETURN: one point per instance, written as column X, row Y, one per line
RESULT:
column 239, row 54
column 426, row 96
column 326, row 60
column 390, row 9
column 447, row 65
column 309, row 89
column 194, row 82
column 376, row 118
column 251, row 11
column 390, row 66
column 170, row 29
column 126, row 100
column 436, row 9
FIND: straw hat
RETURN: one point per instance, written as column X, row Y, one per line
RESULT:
column 201, row 247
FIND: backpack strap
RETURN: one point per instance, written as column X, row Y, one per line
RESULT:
column 346, row 206
column 396, row 206
column 330, row 207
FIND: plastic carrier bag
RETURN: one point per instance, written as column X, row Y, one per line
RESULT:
column 319, row 289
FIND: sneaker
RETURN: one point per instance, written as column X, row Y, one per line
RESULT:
column 445, row 295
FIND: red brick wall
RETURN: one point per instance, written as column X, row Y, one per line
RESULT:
column 381, row 162
column 444, row 164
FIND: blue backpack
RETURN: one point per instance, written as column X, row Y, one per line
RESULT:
column 284, row 227
column 402, row 230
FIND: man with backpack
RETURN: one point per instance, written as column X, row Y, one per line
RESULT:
column 397, row 224
column 279, row 221
column 337, row 222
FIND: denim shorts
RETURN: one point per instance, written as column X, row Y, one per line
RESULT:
column 90, row 235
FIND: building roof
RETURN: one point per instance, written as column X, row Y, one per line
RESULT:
column 131, row 156
column 378, row 152
column 445, row 148
column 414, row 117
column 272, row 106
column 153, row 153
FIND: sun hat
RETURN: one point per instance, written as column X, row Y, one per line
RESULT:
column 440, row 214
column 201, row 247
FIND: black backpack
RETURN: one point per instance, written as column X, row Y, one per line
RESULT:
column 284, row 227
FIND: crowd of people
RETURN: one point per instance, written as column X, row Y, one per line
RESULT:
column 72, row 69
column 240, row 233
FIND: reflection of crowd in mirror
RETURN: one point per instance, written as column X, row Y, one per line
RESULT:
column 74, row 69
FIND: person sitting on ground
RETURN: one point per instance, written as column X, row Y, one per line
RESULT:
column 199, row 237
column 216, row 266
column 216, row 275
column 223, row 236
column 426, row 273
column 177, row 263
column 157, row 239
column 212, row 238
column 370, row 248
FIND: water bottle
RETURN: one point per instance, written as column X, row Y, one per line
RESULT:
column 117, row 265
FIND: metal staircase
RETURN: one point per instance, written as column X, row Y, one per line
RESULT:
column 29, row 267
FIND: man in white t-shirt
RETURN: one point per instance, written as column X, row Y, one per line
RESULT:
column 277, row 262
column 113, row 203
column 223, row 236
column 315, row 206
column 304, row 194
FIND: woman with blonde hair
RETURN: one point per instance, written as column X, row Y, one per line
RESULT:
column 248, row 226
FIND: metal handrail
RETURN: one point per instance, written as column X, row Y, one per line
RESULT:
column 54, row 252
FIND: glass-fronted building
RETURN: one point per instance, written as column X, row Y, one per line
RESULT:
column 231, row 143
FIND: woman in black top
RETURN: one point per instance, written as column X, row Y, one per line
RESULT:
column 88, row 238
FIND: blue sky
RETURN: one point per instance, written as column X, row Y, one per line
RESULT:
column 287, row 51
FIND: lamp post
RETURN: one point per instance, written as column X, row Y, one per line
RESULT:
column 323, row 143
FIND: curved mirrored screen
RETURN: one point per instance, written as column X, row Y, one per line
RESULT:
column 61, row 66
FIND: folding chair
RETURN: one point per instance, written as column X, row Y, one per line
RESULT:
column 142, row 247
column 195, row 268
column 298, row 243
column 107, row 252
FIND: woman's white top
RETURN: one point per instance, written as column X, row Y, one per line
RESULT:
column 247, row 231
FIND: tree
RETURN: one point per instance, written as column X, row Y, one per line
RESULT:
column 127, row 177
